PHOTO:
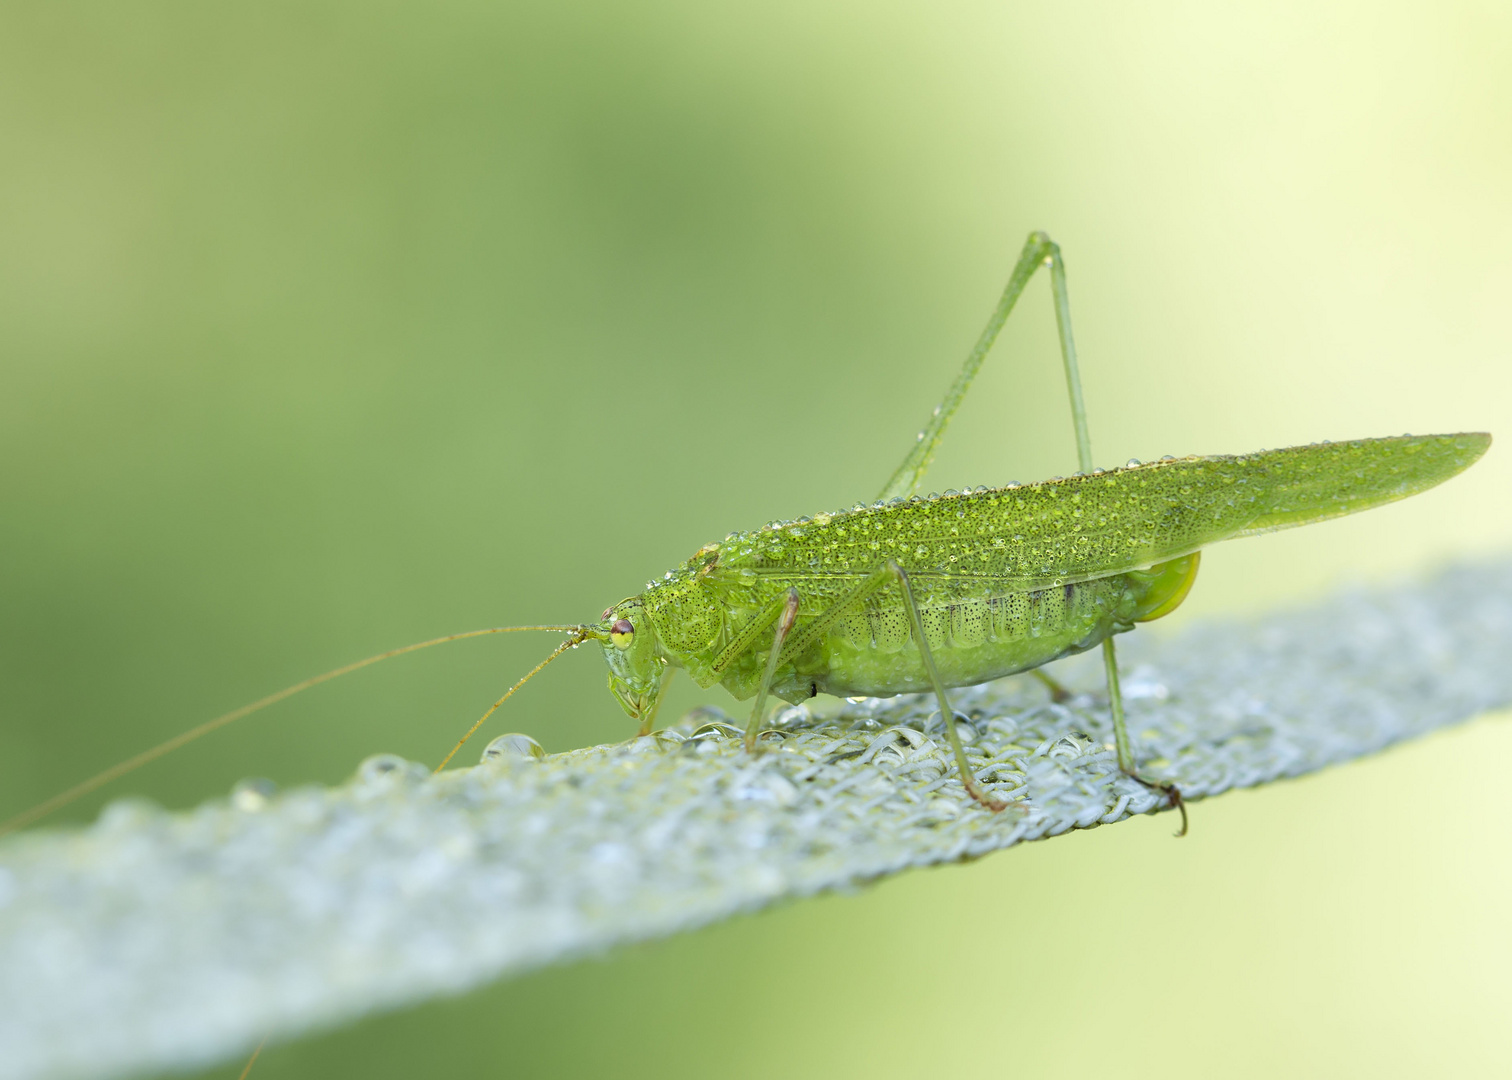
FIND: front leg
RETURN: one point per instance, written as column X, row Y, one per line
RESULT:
column 785, row 623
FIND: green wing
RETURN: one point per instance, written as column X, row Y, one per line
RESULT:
column 1130, row 518
column 1034, row 536
column 1315, row 483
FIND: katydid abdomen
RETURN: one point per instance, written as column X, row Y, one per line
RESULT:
column 872, row 651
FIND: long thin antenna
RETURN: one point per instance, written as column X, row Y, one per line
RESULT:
column 131, row 764
column 579, row 636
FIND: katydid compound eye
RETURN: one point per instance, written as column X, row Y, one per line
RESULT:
column 621, row 634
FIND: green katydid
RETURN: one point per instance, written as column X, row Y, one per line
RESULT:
column 914, row 593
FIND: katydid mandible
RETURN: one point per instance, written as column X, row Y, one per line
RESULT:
column 924, row 593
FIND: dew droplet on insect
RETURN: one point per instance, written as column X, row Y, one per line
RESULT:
column 1168, row 457
column 1132, row 463
column 512, row 747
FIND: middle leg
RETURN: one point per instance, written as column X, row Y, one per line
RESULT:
column 947, row 714
column 786, row 644
column 785, row 622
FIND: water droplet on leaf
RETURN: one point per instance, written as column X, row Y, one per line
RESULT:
column 513, row 747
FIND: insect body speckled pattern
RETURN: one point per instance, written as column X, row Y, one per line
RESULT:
column 928, row 593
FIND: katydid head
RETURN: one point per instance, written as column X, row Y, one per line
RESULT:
column 636, row 663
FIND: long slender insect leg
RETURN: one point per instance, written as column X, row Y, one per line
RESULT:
column 784, row 628
column 1068, row 352
column 1039, row 250
column 1121, row 737
column 1084, row 463
column 946, row 712
column 1115, row 703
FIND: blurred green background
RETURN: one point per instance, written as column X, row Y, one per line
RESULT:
column 328, row 327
